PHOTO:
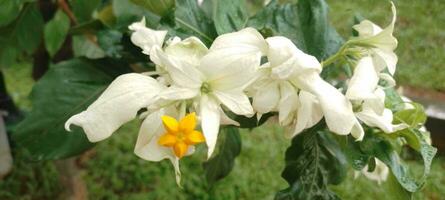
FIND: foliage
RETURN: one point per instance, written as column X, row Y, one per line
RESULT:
column 96, row 32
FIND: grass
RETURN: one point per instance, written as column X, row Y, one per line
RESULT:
column 114, row 172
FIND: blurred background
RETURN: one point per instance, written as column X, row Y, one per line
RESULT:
column 112, row 171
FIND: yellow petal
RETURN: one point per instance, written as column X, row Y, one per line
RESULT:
column 188, row 123
column 180, row 149
column 194, row 137
column 170, row 124
column 167, row 140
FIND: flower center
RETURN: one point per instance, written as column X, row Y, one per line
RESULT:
column 205, row 88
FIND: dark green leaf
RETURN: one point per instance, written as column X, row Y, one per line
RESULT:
column 55, row 32
column 306, row 24
column 110, row 42
column 66, row 89
column 313, row 161
column 394, row 190
column 89, row 27
column 190, row 20
column 160, row 7
column 127, row 13
column 9, row 10
column 351, row 148
column 28, row 28
column 230, row 15
column 251, row 122
column 83, row 9
column 228, row 148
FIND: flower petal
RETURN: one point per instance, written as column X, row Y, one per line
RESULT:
column 180, row 149
column 168, row 140
column 188, row 123
column 287, row 60
column 147, row 146
column 364, row 81
column 146, row 38
column 191, row 50
column 309, row 112
column 195, row 137
column 236, row 101
column 385, row 59
column 383, row 122
column 170, row 124
column 181, row 71
column 357, row 131
column 266, row 98
column 179, row 93
column 117, row 105
column 210, row 120
column 288, row 104
column 248, row 39
column 339, row 118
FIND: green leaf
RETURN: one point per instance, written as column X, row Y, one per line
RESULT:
column 394, row 190
column 9, row 10
column 110, row 42
column 83, row 9
column 380, row 148
column 82, row 46
column 229, row 15
column 28, row 28
column 393, row 100
column 306, row 24
column 313, row 161
column 66, row 89
column 55, row 32
column 190, row 20
column 127, row 13
column 228, row 148
column 354, row 155
column 159, row 7
column 413, row 117
column 251, row 122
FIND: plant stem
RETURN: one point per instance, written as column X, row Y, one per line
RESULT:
column 336, row 56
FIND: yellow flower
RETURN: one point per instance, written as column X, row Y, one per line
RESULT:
column 180, row 135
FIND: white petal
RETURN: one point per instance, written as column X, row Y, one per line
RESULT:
column 385, row 59
column 287, row 60
column 309, row 112
column 380, row 173
column 190, row 49
column 146, row 38
column 236, row 101
column 357, row 131
column 288, row 104
column 336, row 108
column 367, row 29
column 230, row 68
column 266, row 98
column 147, row 146
column 248, row 39
column 179, row 93
column 226, row 120
column 389, row 80
column 210, row 120
column 384, row 121
column 118, row 104
column 364, row 81
column 181, row 71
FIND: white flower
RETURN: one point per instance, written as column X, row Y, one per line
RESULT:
column 146, row 38
column 381, row 42
column 380, row 173
column 220, row 78
column 291, row 71
column 363, row 89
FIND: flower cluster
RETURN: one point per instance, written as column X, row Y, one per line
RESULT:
column 245, row 74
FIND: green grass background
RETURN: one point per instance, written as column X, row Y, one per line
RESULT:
column 114, row 172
